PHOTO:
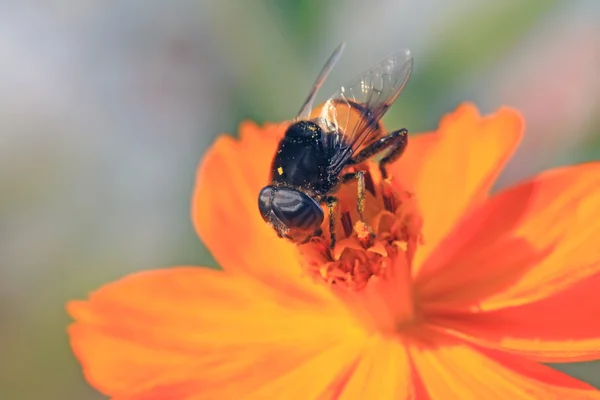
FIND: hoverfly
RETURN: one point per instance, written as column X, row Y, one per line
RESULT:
column 313, row 157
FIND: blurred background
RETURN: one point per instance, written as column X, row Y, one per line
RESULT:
column 106, row 107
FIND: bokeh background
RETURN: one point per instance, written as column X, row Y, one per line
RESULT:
column 107, row 106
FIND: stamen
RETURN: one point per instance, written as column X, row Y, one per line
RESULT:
column 391, row 230
column 389, row 200
column 369, row 184
column 347, row 223
column 364, row 235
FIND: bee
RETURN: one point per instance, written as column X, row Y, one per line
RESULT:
column 319, row 146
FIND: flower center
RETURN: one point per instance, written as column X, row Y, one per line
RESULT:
column 369, row 268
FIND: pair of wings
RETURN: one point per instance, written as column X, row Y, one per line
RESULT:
column 371, row 94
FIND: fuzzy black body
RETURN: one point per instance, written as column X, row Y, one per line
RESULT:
column 309, row 159
column 312, row 158
column 305, row 170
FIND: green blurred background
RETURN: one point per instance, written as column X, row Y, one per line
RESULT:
column 107, row 106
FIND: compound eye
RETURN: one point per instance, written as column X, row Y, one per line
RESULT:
column 296, row 210
column 264, row 201
column 304, row 130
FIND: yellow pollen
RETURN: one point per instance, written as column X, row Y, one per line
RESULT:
column 280, row 171
column 361, row 230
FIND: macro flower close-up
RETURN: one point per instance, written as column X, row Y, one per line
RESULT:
column 447, row 290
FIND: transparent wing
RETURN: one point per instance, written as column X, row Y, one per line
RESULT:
column 359, row 105
column 308, row 103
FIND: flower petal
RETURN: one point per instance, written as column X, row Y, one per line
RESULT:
column 562, row 328
column 314, row 379
column 383, row 372
column 184, row 329
column 452, row 369
column 414, row 157
column 458, row 169
column 225, row 209
column 310, row 380
column 527, row 243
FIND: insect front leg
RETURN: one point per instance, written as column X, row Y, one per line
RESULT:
column 395, row 142
column 359, row 176
column 332, row 208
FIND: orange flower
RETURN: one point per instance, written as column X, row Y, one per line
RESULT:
column 460, row 296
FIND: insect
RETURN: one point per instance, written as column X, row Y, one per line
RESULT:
column 313, row 157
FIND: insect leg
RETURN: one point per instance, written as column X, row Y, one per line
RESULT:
column 359, row 176
column 397, row 148
column 395, row 141
column 332, row 208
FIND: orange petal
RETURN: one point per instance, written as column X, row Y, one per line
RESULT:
column 383, row 372
column 405, row 170
column 315, row 378
column 455, row 370
column 184, row 331
column 309, row 380
column 562, row 328
column 526, row 243
column 458, row 169
column 225, row 208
